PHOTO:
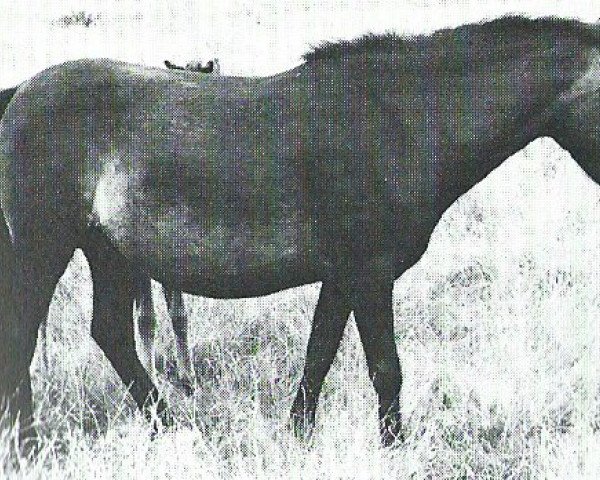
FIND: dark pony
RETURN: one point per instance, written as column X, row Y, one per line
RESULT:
column 335, row 171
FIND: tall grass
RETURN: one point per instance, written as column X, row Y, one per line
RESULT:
column 497, row 329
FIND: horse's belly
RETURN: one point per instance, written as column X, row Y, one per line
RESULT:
column 236, row 262
column 214, row 258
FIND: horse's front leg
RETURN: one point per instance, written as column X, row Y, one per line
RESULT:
column 331, row 316
column 374, row 317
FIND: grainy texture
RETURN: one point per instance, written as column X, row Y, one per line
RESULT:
column 497, row 324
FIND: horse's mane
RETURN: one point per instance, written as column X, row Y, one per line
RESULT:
column 491, row 39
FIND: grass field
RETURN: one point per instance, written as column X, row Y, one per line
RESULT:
column 498, row 334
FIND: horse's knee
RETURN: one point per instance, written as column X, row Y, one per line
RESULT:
column 177, row 313
column 146, row 330
column 180, row 328
column 179, row 321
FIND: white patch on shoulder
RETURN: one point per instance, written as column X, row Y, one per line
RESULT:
column 589, row 82
column 111, row 194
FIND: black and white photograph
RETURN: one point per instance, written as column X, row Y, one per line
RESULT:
column 316, row 239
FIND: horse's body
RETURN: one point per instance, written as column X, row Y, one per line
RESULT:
column 335, row 171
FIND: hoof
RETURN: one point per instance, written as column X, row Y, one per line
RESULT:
column 392, row 434
column 302, row 427
column 164, row 414
column 29, row 447
column 159, row 416
column 390, row 440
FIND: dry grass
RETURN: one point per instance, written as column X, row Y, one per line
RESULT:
column 499, row 339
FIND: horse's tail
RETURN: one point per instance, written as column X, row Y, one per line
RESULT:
column 7, row 256
column 5, row 97
column 7, row 275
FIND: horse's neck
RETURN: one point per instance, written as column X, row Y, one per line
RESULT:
column 521, row 105
column 477, row 120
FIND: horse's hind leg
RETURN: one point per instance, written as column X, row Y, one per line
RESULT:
column 112, row 322
column 185, row 369
column 36, row 270
column 146, row 322
column 329, row 321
